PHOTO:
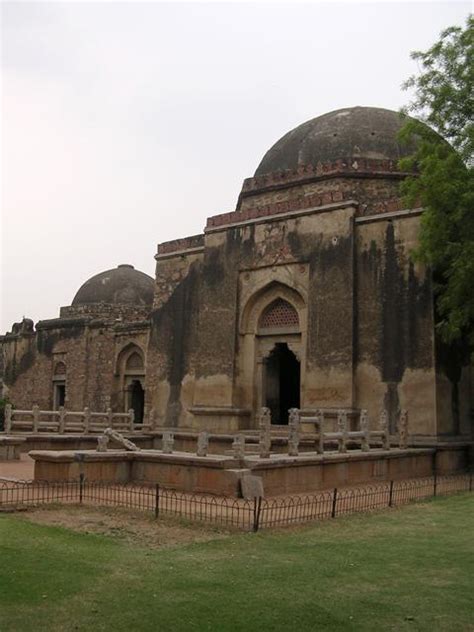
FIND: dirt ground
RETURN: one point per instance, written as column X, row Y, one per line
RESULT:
column 130, row 526
column 22, row 469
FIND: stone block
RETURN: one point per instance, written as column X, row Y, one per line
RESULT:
column 251, row 487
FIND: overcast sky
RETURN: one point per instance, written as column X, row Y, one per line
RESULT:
column 127, row 124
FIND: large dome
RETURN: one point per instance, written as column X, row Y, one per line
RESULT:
column 120, row 286
column 358, row 132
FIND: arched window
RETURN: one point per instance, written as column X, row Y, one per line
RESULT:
column 279, row 315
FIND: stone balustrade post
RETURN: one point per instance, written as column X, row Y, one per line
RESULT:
column 8, row 417
column 36, row 412
column 320, row 424
column 131, row 415
column 62, row 420
column 294, row 432
column 167, row 442
column 265, row 440
column 110, row 418
column 87, row 420
column 238, row 446
column 403, row 430
column 384, row 429
column 202, row 444
column 364, row 429
column 342, row 428
column 102, row 443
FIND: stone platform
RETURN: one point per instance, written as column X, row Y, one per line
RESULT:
column 74, row 441
column 220, row 475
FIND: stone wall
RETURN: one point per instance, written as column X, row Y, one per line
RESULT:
column 88, row 349
column 395, row 334
column 106, row 312
column 374, row 194
column 337, row 248
column 367, row 339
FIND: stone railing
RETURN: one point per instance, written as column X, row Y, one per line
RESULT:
column 68, row 421
column 363, row 438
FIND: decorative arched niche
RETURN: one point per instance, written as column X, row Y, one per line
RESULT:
column 273, row 333
column 130, row 380
column 279, row 316
column 277, row 297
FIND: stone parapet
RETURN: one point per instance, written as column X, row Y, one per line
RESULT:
column 344, row 167
column 186, row 243
column 66, row 321
column 277, row 208
column 102, row 311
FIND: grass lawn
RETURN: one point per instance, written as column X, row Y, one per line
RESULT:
column 404, row 569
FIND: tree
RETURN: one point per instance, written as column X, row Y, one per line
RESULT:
column 444, row 185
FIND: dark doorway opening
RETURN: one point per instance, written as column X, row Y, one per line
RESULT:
column 137, row 400
column 59, row 395
column 282, row 383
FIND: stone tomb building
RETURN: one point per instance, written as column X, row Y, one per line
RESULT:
column 92, row 355
column 304, row 296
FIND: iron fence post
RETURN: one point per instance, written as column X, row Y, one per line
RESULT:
column 81, row 487
column 435, row 473
column 257, row 505
column 334, row 501
column 390, row 495
column 470, row 481
column 157, row 500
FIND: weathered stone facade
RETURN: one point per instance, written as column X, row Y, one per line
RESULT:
column 88, row 357
column 303, row 297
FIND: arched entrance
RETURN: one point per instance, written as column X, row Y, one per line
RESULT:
column 278, row 334
column 272, row 343
column 137, row 400
column 130, row 380
column 281, row 388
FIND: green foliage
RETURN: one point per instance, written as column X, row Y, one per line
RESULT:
column 444, row 186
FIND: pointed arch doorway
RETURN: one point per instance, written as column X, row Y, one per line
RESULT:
column 136, row 397
column 271, row 363
column 281, row 382
column 278, row 335
column 130, row 381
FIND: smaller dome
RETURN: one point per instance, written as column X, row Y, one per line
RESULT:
column 121, row 286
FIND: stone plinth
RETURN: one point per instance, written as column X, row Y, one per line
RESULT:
column 10, row 447
column 287, row 475
column 218, row 474
column 182, row 471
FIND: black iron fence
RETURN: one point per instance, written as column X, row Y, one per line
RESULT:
column 250, row 515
